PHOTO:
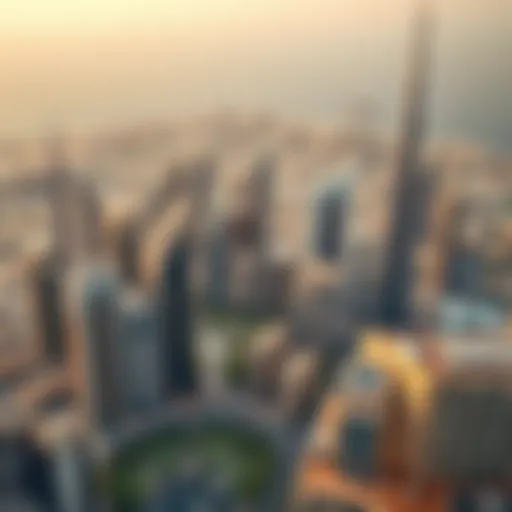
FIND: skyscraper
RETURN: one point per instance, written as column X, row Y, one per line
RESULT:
column 396, row 280
column 139, row 352
column 72, row 476
column 261, row 190
column 47, row 298
column 91, row 213
column 218, row 266
column 128, row 247
column 328, row 225
column 332, row 210
column 60, row 196
column 176, row 320
column 100, row 325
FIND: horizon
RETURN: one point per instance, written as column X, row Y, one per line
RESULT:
column 99, row 64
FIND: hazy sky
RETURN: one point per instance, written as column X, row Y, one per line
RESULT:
column 90, row 63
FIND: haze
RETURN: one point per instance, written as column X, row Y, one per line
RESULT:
column 96, row 63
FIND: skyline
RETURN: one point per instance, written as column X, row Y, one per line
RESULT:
column 97, row 65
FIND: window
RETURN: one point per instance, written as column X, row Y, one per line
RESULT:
column 358, row 447
column 363, row 378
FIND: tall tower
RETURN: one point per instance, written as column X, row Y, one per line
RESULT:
column 262, row 189
column 129, row 251
column 99, row 290
column 47, row 297
column 176, row 320
column 404, row 226
column 61, row 202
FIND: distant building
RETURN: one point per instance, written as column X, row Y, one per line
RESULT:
column 46, row 276
column 176, row 322
column 261, row 185
column 92, row 218
column 129, row 252
column 250, row 216
column 268, row 351
column 333, row 208
column 139, row 352
column 464, row 261
column 218, row 266
column 61, row 195
column 327, row 235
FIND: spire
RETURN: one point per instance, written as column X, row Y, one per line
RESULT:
column 413, row 123
column 397, row 277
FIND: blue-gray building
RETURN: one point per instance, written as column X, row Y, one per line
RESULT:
column 46, row 276
column 331, row 206
column 219, row 263
column 101, row 326
column 176, row 322
column 461, row 314
column 139, row 352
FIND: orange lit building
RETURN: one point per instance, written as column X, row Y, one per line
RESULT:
column 411, row 426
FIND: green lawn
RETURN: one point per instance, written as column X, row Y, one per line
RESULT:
column 243, row 457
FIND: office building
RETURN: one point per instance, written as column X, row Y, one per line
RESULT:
column 261, row 186
column 25, row 473
column 219, row 263
column 72, row 476
column 94, row 299
column 330, row 217
column 334, row 205
column 92, row 218
column 46, row 282
column 129, row 251
column 139, row 352
column 176, row 322
column 62, row 204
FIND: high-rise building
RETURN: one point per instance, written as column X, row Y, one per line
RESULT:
column 61, row 192
column 139, row 352
column 175, row 313
column 98, row 323
column 72, row 476
column 464, row 260
column 261, row 187
column 327, row 231
column 47, row 298
column 218, row 266
column 92, row 218
column 129, row 252
column 398, row 273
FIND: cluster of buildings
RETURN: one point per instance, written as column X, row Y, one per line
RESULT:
column 407, row 265
column 416, row 417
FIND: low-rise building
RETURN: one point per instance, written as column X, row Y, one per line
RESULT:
column 413, row 425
